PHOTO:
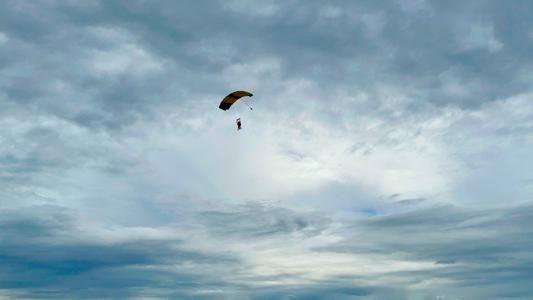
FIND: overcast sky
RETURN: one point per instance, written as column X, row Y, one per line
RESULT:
column 389, row 154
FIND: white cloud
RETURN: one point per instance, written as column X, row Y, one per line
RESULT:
column 3, row 38
column 476, row 35
column 122, row 54
column 330, row 12
column 413, row 6
column 124, row 59
column 374, row 23
column 264, row 9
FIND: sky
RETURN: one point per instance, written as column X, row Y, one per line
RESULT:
column 388, row 155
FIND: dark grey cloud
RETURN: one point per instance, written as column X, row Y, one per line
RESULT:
column 477, row 254
column 254, row 220
column 476, row 248
column 42, row 257
column 446, row 54
column 46, row 255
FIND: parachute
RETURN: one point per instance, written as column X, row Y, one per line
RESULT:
column 228, row 101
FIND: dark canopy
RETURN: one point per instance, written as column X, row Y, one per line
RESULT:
column 232, row 98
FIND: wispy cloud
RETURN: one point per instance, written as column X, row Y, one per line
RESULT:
column 264, row 251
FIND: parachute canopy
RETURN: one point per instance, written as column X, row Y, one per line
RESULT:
column 232, row 98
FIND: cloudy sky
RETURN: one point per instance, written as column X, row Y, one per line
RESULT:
column 388, row 155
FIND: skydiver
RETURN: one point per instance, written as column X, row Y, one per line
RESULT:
column 239, row 124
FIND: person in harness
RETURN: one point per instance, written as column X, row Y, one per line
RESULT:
column 230, row 99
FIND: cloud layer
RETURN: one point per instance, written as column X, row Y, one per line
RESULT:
column 387, row 156
column 261, row 252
